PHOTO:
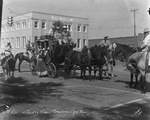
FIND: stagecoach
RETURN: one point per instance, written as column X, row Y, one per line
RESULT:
column 55, row 55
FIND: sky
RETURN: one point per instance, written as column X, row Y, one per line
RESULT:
column 106, row 17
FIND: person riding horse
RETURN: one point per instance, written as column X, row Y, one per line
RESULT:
column 106, row 43
column 28, row 47
column 8, row 49
column 146, row 43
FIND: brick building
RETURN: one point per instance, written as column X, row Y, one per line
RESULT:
column 131, row 40
column 32, row 25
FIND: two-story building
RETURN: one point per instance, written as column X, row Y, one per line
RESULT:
column 32, row 25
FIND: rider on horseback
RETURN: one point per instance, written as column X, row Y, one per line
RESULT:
column 105, row 42
column 8, row 49
column 146, row 43
column 28, row 47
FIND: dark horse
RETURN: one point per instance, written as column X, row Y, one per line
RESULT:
column 86, row 58
column 8, row 65
column 135, row 63
column 59, row 52
column 22, row 57
column 126, row 50
column 56, row 56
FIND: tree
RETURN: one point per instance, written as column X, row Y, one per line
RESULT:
column 60, row 31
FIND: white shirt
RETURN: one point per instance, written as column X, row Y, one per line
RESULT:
column 146, row 42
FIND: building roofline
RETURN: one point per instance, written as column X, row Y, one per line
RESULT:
column 48, row 14
column 59, row 15
column 114, row 37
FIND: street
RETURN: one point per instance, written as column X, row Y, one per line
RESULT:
column 28, row 97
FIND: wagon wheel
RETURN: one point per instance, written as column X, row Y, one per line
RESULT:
column 51, row 70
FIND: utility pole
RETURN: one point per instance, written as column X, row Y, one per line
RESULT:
column 134, row 10
column 149, row 11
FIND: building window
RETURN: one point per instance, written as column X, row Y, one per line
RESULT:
column 24, row 25
column 17, row 26
column 84, row 42
column 12, row 42
column 43, row 24
column 69, row 28
column 18, row 42
column 29, row 23
column 78, row 43
column 2, row 43
column 79, row 28
column 24, row 42
column 12, row 28
column 84, row 28
column 36, row 24
column 35, row 38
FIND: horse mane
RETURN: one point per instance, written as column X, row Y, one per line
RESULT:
column 126, row 47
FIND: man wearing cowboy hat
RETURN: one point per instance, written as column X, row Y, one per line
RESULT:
column 146, row 43
column 105, row 42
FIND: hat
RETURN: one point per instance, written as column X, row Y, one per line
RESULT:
column 105, row 36
column 146, row 30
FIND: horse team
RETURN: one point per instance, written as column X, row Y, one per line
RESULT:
column 95, row 56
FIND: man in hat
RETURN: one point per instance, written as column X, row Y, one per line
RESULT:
column 28, row 47
column 105, row 42
column 8, row 49
column 146, row 43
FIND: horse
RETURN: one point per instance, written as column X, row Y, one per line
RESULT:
column 131, row 64
column 22, row 56
column 126, row 50
column 59, row 52
column 56, row 56
column 8, row 65
column 86, row 58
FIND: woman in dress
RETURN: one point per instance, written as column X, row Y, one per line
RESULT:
column 41, row 67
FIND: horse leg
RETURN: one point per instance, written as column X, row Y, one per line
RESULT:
column 100, row 73
column 95, row 72
column 131, row 79
column 107, row 70
column 81, row 75
column 90, row 72
column 19, row 66
column 12, row 74
column 5, row 76
column 136, row 78
column 111, row 70
column 143, row 83
column 84, row 70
